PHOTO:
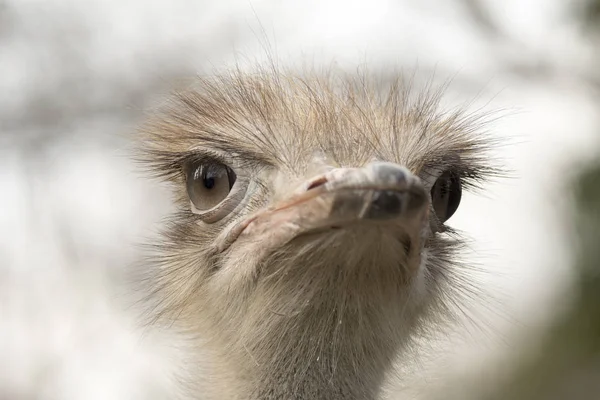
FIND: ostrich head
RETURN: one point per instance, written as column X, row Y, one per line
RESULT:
column 310, row 240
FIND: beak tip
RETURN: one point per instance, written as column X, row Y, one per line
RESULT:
column 402, row 192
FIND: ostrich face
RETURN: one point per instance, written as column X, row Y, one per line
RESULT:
column 303, row 204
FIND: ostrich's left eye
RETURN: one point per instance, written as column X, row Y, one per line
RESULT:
column 445, row 195
column 209, row 185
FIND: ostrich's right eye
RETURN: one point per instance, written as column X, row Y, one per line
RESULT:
column 209, row 185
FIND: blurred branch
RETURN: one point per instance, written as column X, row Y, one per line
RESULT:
column 482, row 18
column 517, row 58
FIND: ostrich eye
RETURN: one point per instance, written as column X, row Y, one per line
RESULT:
column 445, row 195
column 208, row 184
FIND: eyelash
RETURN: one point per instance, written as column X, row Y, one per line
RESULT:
column 200, row 158
column 468, row 176
column 208, row 157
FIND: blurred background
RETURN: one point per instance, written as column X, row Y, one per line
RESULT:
column 76, row 77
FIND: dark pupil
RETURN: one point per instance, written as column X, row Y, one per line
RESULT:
column 211, row 173
column 209, row 182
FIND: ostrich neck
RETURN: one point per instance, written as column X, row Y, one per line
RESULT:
column 347, row 360
column 330, row 375
column 325, row 332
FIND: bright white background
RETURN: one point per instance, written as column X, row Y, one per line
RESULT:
column 75, row 77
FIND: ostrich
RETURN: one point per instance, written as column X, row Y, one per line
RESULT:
column 309, row 244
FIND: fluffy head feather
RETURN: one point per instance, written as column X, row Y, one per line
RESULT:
column 319, row 315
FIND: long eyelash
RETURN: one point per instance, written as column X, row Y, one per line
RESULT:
column 473, row 173
column 195, row 159
column 167, row 164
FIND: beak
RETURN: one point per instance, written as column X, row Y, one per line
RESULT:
column 377, row 193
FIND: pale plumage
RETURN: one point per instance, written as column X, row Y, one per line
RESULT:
column 306, row 250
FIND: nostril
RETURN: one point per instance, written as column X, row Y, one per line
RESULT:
column 385, row 204
column 387, row 200
column 316, row 183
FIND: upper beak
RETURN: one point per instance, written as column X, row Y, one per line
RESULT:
column 379, row 191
